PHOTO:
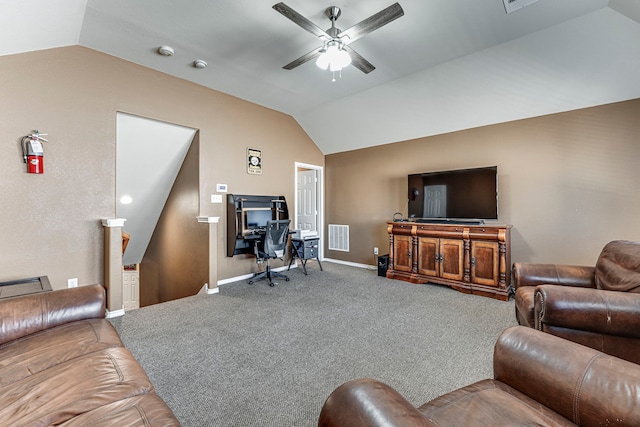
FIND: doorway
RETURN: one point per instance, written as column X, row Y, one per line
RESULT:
column 157, row 175
column 309, row 200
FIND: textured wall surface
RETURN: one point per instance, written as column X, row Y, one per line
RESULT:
column 568, row 183
column 50, row 223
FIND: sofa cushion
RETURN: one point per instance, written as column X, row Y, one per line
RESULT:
column 144, row 410
column 35, row 353
column 489, row 403
column 28, row 314
column 618, row 267
column 80, row 385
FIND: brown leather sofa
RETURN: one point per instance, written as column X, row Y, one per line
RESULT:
column 539, row 380
column 63, row 363
column 595, row 306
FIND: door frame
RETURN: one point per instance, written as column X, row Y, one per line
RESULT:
column 319, row 200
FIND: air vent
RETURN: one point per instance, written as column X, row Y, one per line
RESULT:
column 513, row 5
column 338, row 237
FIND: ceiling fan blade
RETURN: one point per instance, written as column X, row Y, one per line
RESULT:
column 359, row 62
column 304, row 58
column 372, row 23
column 301, row 20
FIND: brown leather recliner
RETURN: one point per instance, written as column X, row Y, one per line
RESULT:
column 595, row 306
column 539, row 380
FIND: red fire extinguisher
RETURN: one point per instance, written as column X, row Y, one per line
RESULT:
column 33, row 152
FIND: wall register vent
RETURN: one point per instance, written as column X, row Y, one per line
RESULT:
column 338, row 237
column 513, row 5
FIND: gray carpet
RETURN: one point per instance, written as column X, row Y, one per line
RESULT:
column 253, row 355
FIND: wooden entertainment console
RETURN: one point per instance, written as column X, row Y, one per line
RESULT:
column 473, row 259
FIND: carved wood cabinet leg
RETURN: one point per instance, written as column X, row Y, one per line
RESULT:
column 415, row 254
column 467, row 261
column 391, row 256
column 503, row 265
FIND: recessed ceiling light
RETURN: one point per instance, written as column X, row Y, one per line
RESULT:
column 199, row 63
column 126, row 199
column 166, row 51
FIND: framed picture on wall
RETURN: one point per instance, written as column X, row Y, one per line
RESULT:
column 254, row 161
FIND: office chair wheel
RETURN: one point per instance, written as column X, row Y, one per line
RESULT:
column 287, row 279
column 272, row 284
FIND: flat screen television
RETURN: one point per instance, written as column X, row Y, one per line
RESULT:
column 454, row 195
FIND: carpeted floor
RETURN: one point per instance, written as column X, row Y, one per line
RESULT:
column 253, row 355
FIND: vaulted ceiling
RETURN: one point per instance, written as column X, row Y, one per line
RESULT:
column 443, row 66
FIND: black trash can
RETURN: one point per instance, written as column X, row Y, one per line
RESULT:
column 383, row 265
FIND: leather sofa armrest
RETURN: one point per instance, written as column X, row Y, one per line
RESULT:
column 530, row 274
column 590, row 310
column 28, row 314
column 367, row 403
column 581, row 384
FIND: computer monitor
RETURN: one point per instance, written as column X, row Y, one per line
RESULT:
column 255, row 219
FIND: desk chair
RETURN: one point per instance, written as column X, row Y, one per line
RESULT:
column 274, row 246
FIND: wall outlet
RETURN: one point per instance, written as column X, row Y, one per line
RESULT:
column 72, row 283
column 216, row 198
column 375, row 251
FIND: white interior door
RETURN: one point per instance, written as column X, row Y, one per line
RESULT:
column 309, row 202
column 307, row 207
column 131, row 289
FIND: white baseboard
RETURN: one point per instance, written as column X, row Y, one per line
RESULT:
column 115, row 313
column 249, row 276
column 352, row 264
column 207, row 290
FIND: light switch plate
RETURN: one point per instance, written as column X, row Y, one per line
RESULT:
column 216, row 198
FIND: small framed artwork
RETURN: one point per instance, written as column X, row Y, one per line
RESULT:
column 254, row 161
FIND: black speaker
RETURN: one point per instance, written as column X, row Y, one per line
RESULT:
column 383, row 265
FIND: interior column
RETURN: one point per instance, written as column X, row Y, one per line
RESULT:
column 113, row 265
column 212, row 285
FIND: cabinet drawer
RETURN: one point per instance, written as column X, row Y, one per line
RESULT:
column 311, row 243
column 306, row 248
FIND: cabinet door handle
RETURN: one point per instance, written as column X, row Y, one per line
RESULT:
column 473, row 261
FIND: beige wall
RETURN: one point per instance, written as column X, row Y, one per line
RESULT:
column 568, row 183
column 50, row 223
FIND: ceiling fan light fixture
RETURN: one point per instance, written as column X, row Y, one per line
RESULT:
column 323, row 60
column 333, row 56
column 343, row 58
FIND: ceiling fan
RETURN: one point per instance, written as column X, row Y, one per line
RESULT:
column 335, row 52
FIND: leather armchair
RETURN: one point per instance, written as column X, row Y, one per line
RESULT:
column 526, row 276
column 539, row 380
column 595, row 306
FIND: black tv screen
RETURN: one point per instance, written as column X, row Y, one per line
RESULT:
column 466, row 194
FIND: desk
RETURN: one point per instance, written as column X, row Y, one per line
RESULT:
column 305, row 249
